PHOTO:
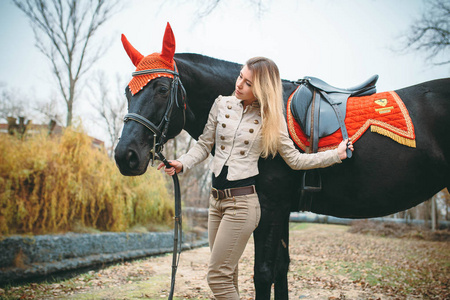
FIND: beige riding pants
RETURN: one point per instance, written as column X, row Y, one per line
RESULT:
column 231, row 222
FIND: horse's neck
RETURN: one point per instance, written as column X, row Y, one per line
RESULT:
column 288, row 88
column 204, row 79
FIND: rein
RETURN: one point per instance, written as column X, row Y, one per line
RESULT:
column 159, row 138
column 177, row 230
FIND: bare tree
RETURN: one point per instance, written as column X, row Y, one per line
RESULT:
column 110, row 105
column 207, row 7
column 443, row 203
column 64, row 30
column 14, row 103
column 49, row 110
column 10, row 106
column 431, row 33
column 195, row 183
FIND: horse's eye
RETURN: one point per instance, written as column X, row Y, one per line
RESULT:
column 163, row 90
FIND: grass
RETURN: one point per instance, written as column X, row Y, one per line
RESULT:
column 299, row 226
column 391, row 265
column 325, row 259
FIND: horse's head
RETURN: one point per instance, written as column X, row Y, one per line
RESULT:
column 156, row 98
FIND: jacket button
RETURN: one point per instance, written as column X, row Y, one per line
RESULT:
column 229, row 106
column 224, row 125
column 227, row 116
column 222, row 147
column 256, row 122
column 251, row 129
column 222, row 137
column 246, row 142
column 242, row 152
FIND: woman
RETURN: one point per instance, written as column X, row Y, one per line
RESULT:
column 242, row 128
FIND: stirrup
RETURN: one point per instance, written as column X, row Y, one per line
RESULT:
column 314, row 186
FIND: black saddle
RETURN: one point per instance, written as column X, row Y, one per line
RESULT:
column 326, row 114
column 320, row 110
column 363, row 89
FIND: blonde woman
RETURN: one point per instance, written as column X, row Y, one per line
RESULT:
column 243, row 127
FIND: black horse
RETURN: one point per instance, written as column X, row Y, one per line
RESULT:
column 382, row 177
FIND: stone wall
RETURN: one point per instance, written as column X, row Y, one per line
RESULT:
column 23, row 257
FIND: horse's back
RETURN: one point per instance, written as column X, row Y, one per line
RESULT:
column 384, row 176
column 428, row 104
column 395, row 177
column 441, row 86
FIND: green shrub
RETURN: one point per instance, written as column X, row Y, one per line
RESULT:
column 50, row 185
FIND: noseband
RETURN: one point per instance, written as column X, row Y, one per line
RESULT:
column 160, row 131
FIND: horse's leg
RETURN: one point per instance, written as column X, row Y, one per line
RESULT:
column 282, row 264
column 264, row 256
column 275, row 185
column 271, row 257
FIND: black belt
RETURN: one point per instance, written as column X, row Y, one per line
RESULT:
column 228, row 193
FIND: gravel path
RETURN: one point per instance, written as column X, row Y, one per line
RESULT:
column 327, row 262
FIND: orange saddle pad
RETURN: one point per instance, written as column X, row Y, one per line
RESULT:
column 385, row 113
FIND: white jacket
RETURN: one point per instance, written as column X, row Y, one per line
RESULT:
column 236, row 134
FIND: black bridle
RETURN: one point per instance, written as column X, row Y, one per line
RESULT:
column 159, row 138
column 160, row 131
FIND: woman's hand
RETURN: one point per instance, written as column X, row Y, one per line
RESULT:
column 343, row 147
column 176, row 166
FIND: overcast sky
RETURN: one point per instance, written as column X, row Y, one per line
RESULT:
column 342, row 42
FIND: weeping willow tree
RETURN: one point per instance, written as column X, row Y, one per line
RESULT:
column 50, row 185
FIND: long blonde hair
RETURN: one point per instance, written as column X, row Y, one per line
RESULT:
column 268, row 89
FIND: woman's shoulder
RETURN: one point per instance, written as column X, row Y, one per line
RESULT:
column 226, row 100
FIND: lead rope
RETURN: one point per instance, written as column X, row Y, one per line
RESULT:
column 177, row 230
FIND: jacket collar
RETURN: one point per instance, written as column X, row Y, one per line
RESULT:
column 255, row 104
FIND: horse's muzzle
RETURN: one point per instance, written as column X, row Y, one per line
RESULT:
column 129, row 162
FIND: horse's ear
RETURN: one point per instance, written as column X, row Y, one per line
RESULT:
column 168, row 49
column 134, row 55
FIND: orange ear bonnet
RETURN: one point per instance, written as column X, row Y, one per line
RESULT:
column 152, row 61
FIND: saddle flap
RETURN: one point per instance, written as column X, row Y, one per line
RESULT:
column 301, row 110
column 328, row 122
column 300, row 104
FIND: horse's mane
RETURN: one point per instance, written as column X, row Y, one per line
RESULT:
column 203, row 59
column 213, row 65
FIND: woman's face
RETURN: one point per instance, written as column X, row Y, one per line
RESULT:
column 244, row 83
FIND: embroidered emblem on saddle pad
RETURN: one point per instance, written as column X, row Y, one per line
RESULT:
column 385, row 113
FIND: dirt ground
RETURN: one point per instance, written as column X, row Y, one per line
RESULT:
column 327, row 262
